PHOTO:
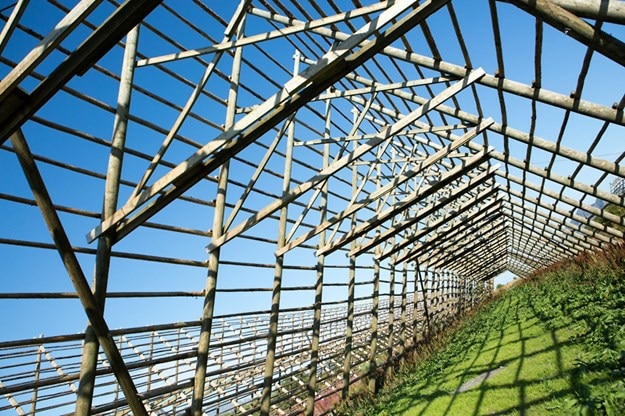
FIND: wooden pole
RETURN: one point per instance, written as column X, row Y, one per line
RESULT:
column 272, row 338
column 91, row 347
column 351, row 287
column 75, row 272
column 575, row 27
column 375, row 304
column 208, row 309
column 316, row 329
column 12, row 22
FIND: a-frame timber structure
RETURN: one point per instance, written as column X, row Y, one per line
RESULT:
column 260, row 203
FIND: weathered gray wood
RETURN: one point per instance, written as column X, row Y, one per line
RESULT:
column 455, row 194
column 523, row 137
column 227, row 44
column 274, row 316
column 47, row 45
column 103, row 254
column 411, row 173
column 208, row 311
column 605, row 10
column 485, row 209
column 513, row 87
column 193, row 97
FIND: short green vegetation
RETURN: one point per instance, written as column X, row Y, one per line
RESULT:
column 557, row 343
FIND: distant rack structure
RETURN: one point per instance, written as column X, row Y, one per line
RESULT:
column 281, row 198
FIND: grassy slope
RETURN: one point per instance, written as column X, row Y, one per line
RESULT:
column 560, row 339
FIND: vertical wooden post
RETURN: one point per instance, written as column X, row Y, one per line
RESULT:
column 391, row 322
column 373, row 351
column 272, row 337
column 415, row 307
column 316, row 328
column 423, row 283
column 89, row 360
column 177, row 371
column 351, row 288
column 208, row 309
column 35, row 396
column 402, row 322
column 150, row 357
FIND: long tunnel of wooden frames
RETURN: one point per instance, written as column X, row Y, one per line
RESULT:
column 253, row 207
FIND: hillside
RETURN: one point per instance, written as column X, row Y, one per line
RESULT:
column 554, row 345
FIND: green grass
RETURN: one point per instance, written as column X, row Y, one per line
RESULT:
column 559, row 338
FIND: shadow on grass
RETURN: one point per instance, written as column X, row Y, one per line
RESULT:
column 525, row 387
